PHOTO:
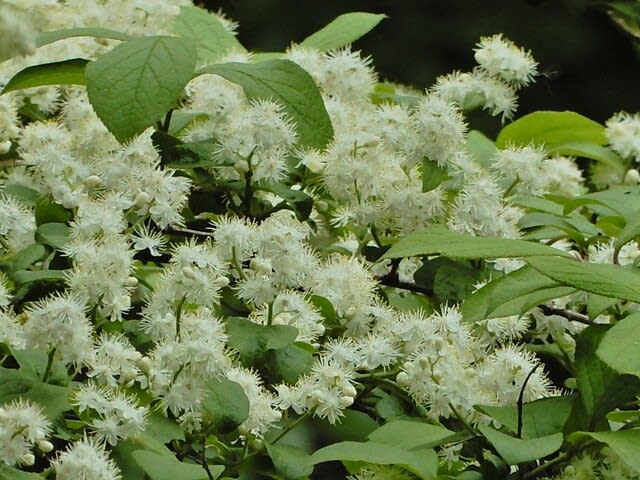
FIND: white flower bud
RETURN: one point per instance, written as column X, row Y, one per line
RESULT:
column 241, row 166
column 261, row 265
column 5, row 147
column 632, row 177
column 402, row 379
column 145, row 365
column 131, row 282
column 349, row 390
column 189, row 273
column 322, row 206
column 221, row 282
column 92, row 181
column 345, row 401
column 28, row 459
column 142, row 199
column 45, row 446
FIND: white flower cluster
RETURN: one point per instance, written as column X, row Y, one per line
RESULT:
column 367, row 185
column 23, row 425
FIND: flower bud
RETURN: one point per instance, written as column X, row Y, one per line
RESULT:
column 142, row 199
column 28, row 459
column 402, row 379
column 92, row 181
column 45, row 446
column 632, row 177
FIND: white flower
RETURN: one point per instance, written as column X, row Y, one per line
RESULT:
column 86, row 459
column 500, row 57
column 623, row 134
column 146, row 239
column 22, row 425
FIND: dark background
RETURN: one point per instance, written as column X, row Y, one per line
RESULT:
column 588, row 63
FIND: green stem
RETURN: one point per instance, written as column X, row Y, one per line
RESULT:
column 47, row 370
column 464, row 423
column 270, row 313
column 179, row 315
column 205, row 465
column 291, row 426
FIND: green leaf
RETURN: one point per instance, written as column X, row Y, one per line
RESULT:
column 481, row 147
column 432, row 175
column 17, row 384
column 604, row 279
column 438, row 239
column 136, row 83
column 225, row 404
column 513, row 294
column 34, row 362
column 54, row 234
column 26, row 257
column 625, row 443
column 168, row 467
column 343, row 30
column 597, row 304
column 287, row 83
column 540, row 418
column 210, row 35
column 22, row 277
column 252, row 340
column 620, row 346
column 453, row 281
column 630, row 231
column 289, row 363
column 292, row 462
column 592, row 151
column 601, row 388
column 26, row 195
column 48, row 211
column 10, row 473
column 67, row 72
column 410, row 434
column 54, row 35
column 622, row 201
column 551, row 129
column 516, row 450
column 421, row 462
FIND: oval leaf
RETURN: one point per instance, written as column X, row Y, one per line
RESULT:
column 137, row 82
column 551, row 129
column 606, row 280
column 54, row 35
column 292, row 462
column 288, row 84
column 226, row 404
column 515, row 450
column 438, row 239
column 168, row 467
column 343, row 30
column 620, row 346
column 422, row 462
column 209, row 34
column 68, row 72
column 410, row 434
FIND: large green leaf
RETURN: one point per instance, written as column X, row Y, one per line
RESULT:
column 343, row 30
column 601, row 387
column 168, row 467
column 630, row 231
column 252, row 341
column 625, row 443
column 540, row 418
column 438, row 239
column 590, row 150
column 55, row 234
column 136, row 83
column 621, row 201
column 207, row 32
column 17, row 384
column 421, row 462
column 288, row 84
column 515, row 450
column 292, row 462
column 410, row 434
column 551, row 129
column 513, row 294
column 10, row 473
column 55, row 35
column 604, row 279
column 620, row 346
column 22, row 277
column 481, row 147
column 225, row 404
column 67, row 72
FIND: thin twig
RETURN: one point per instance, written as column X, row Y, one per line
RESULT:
column 568, row 314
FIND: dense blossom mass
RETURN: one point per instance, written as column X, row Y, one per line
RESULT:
column 142, row 313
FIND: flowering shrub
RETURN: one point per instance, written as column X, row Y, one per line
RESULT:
column 220, row 263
